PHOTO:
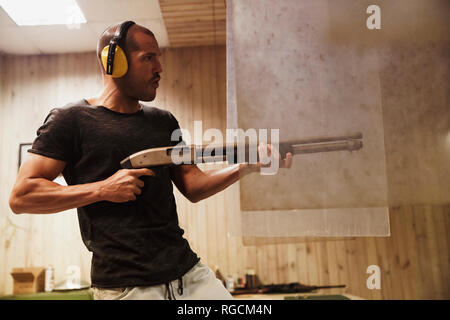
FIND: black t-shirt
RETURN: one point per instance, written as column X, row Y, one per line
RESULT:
column 134, row 243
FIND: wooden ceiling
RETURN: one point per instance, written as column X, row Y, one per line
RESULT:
column 194, row 22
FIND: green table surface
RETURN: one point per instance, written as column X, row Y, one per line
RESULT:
column 85, row 294
column 319, row 297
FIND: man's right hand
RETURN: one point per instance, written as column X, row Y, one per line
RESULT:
column 124, row 185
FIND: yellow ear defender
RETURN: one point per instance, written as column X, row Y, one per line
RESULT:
column 114, row 59
column 119, row 66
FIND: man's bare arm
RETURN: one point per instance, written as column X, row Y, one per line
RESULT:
column 197, row 185
column 35, row 192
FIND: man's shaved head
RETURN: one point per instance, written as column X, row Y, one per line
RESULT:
column 128, row 44
column 142, row 52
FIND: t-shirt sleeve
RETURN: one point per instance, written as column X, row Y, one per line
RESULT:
column 55, row 138
column 176, row 134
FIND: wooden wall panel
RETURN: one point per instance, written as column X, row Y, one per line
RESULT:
column 31, row 86
column 414, row 261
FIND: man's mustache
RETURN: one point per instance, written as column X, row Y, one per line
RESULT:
column 156, row 77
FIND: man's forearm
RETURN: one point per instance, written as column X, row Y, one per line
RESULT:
column 208, row 183
column 43, row 196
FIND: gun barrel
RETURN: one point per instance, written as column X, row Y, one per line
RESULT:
column 349, row 145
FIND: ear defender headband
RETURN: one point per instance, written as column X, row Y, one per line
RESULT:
column 114, row 59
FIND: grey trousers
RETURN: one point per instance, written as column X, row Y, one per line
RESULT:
column 199, row 283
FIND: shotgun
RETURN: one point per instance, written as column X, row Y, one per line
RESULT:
column 293, row 287
column 192, row 154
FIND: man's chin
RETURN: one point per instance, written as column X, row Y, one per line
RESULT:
column 148, row 98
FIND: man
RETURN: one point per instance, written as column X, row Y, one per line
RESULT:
column 127, row 218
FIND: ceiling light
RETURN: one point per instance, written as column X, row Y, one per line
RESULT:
column 43, row 12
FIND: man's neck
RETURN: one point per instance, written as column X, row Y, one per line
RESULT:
column 114, row 100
